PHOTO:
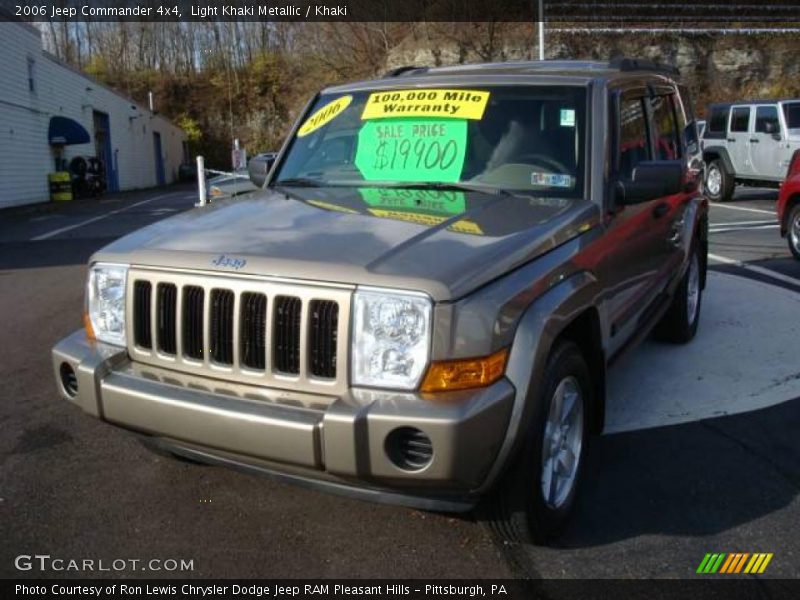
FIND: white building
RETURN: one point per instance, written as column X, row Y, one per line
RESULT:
column 138, row 148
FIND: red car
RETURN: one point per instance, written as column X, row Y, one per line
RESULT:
column 789, row 206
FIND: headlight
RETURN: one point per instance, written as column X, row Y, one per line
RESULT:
column 391, row 338
column 105, row 302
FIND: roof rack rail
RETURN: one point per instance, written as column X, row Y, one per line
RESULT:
column 396, row 72
column 640, row 64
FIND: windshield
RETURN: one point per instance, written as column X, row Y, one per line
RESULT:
column 521, row 139
column 792, row 113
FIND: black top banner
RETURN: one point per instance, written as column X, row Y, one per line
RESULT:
column 664, row 12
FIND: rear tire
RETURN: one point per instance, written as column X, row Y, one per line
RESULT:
column 793, row 231
column 719, row 182
column 679, row 324
column 551, row 458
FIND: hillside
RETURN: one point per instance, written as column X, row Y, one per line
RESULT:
column 718, row 66
column 223, row 80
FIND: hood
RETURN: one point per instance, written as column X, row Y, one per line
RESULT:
column 440, row 242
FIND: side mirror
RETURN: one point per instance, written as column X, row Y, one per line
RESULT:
column 257, row 168
column 650, row 180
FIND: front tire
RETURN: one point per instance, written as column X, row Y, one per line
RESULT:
column 793, row 231
column 535, row 498
column 719, row 183
column 679, row 324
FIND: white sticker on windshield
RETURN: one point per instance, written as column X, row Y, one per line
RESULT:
column 551, row 179
column 567, row 117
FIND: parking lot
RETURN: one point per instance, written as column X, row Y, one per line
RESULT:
column 700, row 455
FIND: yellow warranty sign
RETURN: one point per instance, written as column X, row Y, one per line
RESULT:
column 324, row 115
column 454, row 104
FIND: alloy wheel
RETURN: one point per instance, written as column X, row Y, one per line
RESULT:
column 563, row 442
column 714, row 181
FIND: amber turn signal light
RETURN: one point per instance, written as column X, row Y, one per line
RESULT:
column 87, row 325
column 462, row 374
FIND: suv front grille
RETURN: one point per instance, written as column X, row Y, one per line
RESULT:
column 287, row 334
column 142, row 331
column 166, row 311
column 192, row 321
column 323, row 338
column 222, row 326
column 253, row 334
column 279, row 334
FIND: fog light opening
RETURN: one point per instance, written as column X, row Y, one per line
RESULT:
column 409, row 449
column 69, row 381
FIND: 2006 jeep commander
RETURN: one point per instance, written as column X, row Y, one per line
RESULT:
column 421, row 304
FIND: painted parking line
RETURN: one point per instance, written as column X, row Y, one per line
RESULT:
column 755, row 269
column 55, row 232
column 728, row 227
column 744, row 208
column 738, row 223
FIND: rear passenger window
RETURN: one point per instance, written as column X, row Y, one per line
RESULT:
column 633, row 146
column 718, row 120
column 740, row 119
column 666, row 130
column 765, row 115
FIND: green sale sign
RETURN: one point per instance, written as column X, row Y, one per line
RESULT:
column 412, row 149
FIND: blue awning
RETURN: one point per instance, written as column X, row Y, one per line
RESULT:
column 66, row 132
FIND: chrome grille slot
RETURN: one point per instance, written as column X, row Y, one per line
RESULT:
column 260, row 331
column 222, row 326
column 286, row 334
column 166, row 307
column 142, row 331
column 324, row 319
column 253, row 330
column 192, row 321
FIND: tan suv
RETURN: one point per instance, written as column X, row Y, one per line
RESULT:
column 421, row 304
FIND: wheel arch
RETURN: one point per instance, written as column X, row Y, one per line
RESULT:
column 719, row 153
column 701, row 236
column 566, row 311
column 791, row 202
column 585, row 331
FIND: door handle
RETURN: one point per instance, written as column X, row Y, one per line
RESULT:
column 731, row 139
column 753, row 140
column 660, row 210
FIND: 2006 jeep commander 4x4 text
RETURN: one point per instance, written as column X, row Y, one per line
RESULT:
column 421, row 304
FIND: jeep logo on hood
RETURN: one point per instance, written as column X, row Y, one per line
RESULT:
column 228, row 262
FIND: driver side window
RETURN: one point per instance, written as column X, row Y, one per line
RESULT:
column 633, row 146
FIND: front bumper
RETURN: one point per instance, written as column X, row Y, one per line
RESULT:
column 339, row 443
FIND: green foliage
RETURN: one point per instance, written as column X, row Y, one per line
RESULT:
column 256, row 103
column 192, row 128
column 98, row 68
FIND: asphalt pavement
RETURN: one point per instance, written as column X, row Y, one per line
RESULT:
column 687, row 469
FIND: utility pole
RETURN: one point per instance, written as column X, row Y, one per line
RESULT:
column 541, row 29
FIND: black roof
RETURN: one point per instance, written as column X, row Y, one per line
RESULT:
column 592, row 67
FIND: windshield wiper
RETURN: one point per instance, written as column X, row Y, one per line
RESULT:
column 443, row 186
column 401, row 185
column 298, row 182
